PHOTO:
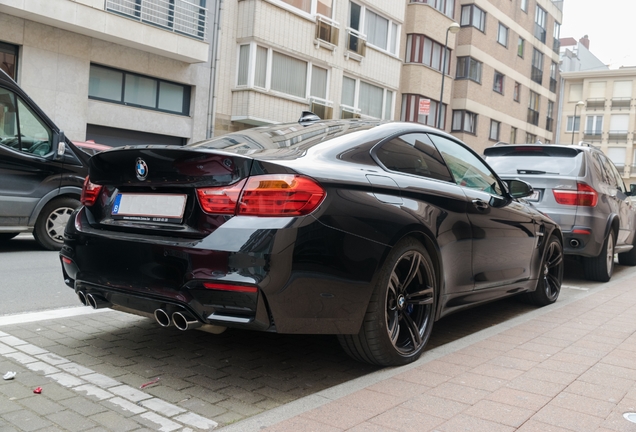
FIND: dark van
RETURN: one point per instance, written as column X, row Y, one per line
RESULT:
column 41, row 172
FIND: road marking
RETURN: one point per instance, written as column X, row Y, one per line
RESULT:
column 169, row 417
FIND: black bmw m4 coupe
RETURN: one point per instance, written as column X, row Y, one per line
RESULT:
column 368, row 230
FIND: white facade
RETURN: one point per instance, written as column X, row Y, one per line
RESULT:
column 59, row 40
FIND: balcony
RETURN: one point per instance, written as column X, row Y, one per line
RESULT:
column 592, row 135
column 539, row 32
column 533, row 117
column 617, row 135
column 347, row 112
column 536, row 75
column 549, row 124
column 327, row 32
column 595, row 103
column 621, row 103
column 356, row 44
column 321, row 107
column 180, row 16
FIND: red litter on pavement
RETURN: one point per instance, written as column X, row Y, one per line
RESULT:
column 38, row 390
column 149, row 383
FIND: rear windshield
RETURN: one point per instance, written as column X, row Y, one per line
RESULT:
column 529, row 160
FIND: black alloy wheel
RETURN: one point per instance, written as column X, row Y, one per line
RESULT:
column 400, row 316
column 551, row 274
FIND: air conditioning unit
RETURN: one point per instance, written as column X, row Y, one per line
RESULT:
column 321, row 108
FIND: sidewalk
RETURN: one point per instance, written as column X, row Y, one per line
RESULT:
column 567, row 367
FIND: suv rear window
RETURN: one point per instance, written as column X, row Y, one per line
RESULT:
column 535, row 160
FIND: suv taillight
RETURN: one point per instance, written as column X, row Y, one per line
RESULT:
column 90, row 192
column 264, row 195
column 584, row 195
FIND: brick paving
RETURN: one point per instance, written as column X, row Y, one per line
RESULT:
column 504, row 366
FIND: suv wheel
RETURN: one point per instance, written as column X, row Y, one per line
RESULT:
column 49, row 228
column 601, row 267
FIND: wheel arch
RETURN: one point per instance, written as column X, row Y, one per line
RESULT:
column 63, row 192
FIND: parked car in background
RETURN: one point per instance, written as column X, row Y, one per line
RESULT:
column 363, row 229
column 90, row 147
column 580, row 189
column 41, row 172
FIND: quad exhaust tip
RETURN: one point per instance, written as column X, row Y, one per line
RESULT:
column 184, row 321
column 162, row 318
column 82, row 298
column 97, row 302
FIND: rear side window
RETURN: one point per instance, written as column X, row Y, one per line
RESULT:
column 535, row 160
column 413, row 154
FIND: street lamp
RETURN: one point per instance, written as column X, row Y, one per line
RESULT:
column 578, row 104
column 453, row 28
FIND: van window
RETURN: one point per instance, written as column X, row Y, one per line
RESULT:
column 20, row 128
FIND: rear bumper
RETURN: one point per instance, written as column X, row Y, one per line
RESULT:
column 302, row 277
column 582, row 241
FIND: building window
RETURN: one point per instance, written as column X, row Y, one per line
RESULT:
column 594, row 125
column 469, row 68
column 498, row 83
column 556, row 43
column 131, row 89
column 502, row 35
column 531, row 138
column 366, row 99
column 271, row 70
column 573, row 124
column 539, row 23
column 421, row 49
column 549, row 123
column 464, row 121
column 420, row 109
column 494, row 130
column 180, row 16
column 513, row 135
column 533, row 108
column 473, row 16
column 524, row 5
column 553, row 77
column 537, row 66
column 322, row 7
column 9, row 59
column 516, row 96
column 380, row 32
column 447, row 7
column 521, row 46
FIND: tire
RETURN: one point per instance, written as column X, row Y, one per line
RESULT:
column 601, row 267
column 551, row 275
column 399, row 318
column 49, row 227
column 628, row 258
column 7, row 236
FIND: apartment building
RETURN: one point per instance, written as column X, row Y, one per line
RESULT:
column 505, row 68
column 337, row 58
column 115, row 71
column 599, row 107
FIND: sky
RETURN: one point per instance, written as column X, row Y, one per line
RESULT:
column 608, row 23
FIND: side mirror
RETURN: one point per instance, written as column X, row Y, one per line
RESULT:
column 519, row 188
column 59, row 145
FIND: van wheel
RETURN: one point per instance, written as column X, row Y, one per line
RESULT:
column 49, row 227
column 401, row 311
column 600, row 268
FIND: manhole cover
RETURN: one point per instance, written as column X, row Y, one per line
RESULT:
column 630, row 417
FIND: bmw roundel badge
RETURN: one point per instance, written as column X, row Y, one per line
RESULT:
column 141, row 169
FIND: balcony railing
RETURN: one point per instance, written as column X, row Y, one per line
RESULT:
column 619, row 103
column 617, row 135
column 321, row 107
column 553, row 84
column 539, row 32
column 347, row 112
column 595, row 103
column 180, row 16
column 549, row 124
column 327, row 30
column 592, row 135
column 536, row 75
column 533, row 117
column 356, row 42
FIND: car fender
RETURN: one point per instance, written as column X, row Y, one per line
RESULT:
column 72, row 191
column 612, row 223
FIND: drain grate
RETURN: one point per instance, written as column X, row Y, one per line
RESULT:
column 630, row 417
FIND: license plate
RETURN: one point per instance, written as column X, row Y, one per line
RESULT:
column 534, row 197
column 149, row 207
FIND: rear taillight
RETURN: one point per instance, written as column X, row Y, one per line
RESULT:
column 584, row 195
column 90, row 192
column 233, row 288
column 220, row 200
column 264, row 195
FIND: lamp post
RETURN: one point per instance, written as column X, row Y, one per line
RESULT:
column 453, row 28
column 578, row 104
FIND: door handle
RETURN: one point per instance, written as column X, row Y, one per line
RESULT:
column 480, row 205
